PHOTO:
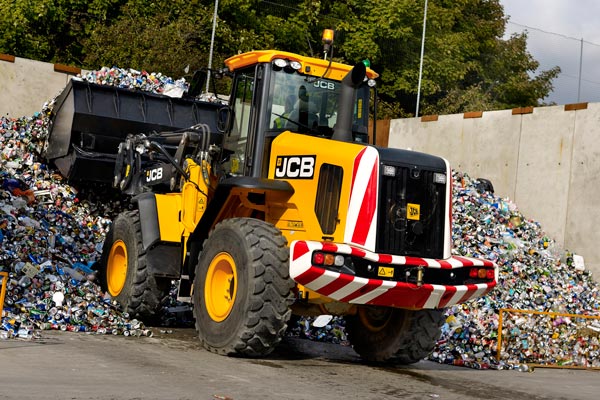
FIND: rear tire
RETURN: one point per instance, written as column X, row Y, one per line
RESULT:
column 242, row 289
column 123, row 271
column 380, row 334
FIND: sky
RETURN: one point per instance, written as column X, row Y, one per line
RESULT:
column 555, row 31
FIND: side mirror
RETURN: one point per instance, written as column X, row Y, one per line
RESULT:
column 197, row 83
column 224, row 119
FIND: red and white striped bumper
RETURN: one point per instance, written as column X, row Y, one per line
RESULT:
column 357, row 290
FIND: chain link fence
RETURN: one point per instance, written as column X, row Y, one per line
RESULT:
column 579, row 79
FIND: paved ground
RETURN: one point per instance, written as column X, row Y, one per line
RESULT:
column 65, row 365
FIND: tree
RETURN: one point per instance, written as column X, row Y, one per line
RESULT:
column 501, row 73
column 156, row 35
column 51, row 30
column 467, row 63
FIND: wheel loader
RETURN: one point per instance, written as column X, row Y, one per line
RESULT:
column 273, row 205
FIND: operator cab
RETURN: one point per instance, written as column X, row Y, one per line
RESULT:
column 276, row 91
column 308, row 105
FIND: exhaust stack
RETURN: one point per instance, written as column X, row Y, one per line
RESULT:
column 343, row 126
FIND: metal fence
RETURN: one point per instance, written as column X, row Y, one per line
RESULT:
column 548, row 339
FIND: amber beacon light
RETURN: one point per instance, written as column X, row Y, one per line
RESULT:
column 327, row 40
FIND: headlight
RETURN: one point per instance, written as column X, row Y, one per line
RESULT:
column 439, row 178
column 280, row 62
column 389, row 170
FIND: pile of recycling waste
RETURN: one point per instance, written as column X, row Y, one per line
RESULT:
column 537, row 277
column 51, row 234
column 154, row 82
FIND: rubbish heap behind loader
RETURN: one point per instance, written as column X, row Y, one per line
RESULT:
column 271, row 205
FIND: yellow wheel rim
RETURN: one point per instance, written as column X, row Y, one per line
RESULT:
column 373, row 319
column 220, row 287
column 116, row 268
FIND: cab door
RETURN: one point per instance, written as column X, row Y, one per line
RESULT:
column 245, row 104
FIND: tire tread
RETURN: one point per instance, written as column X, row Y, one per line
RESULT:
column 268, row 307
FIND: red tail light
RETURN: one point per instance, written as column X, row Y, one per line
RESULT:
column 481, row 273
column 318, row 258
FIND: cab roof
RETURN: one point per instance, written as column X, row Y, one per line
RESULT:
column 310, row 66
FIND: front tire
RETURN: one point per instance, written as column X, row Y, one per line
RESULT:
column 380, row 334
column 242, row 288
column 123, row 271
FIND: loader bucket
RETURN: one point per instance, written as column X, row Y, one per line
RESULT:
column 89, row 121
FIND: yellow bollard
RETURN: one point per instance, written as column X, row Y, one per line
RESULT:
column 4, row 276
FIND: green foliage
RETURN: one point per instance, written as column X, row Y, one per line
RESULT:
column 467, row 64
column 50, row 30
column 160, row 36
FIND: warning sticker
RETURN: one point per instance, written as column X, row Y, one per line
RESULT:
column 386, row 272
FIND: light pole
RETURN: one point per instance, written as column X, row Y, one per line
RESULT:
column 421, row 63
column 580, row 65
column 212, row 42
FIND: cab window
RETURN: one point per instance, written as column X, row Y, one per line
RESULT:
column 237, row 139
column 308, row 105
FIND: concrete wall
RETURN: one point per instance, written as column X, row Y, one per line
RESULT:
column 546, row 160
column 25, row 85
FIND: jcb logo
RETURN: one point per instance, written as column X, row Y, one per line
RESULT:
column 295, row 167
column 325, row 85
column 154, row 174
column 413, row 211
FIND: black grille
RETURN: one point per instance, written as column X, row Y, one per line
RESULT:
column 411, row 213
column 328, row 197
